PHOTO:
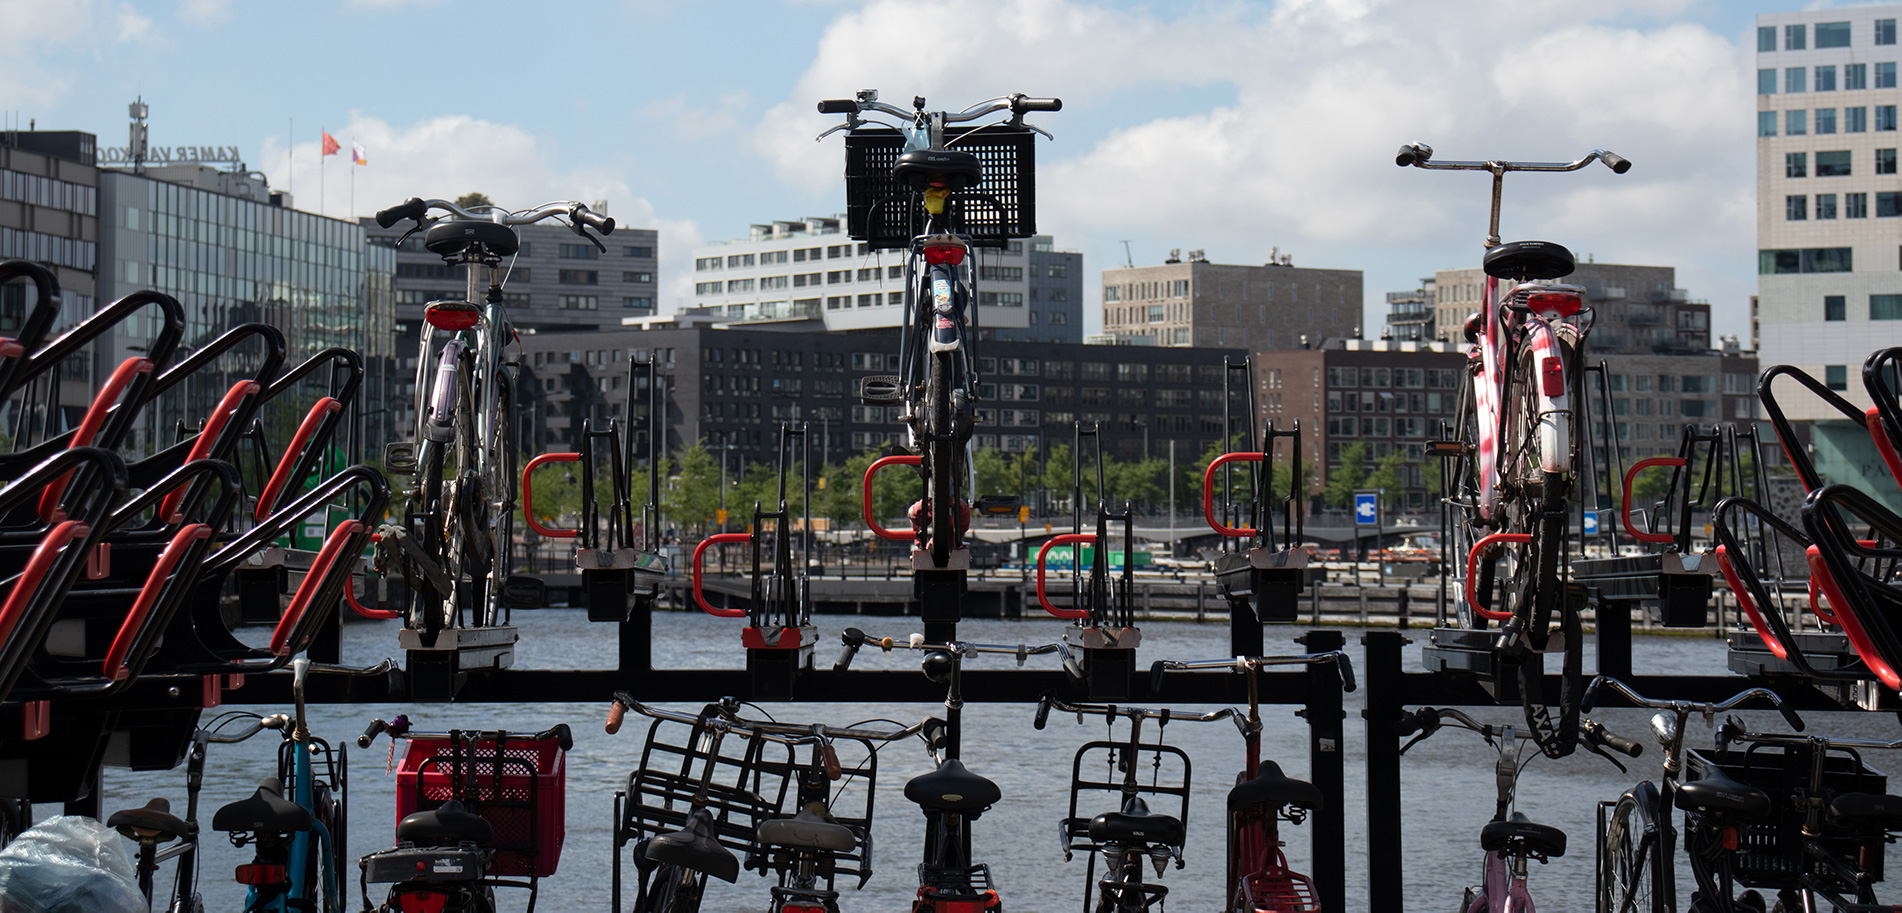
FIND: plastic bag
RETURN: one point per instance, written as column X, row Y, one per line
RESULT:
column 69, row 864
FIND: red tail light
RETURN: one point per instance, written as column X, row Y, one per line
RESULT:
column 457, row 315
column 1552, row 375
column 260, row 874
column 1565, row 304
column 952, row 254
column 801, row 908
column 422, row 902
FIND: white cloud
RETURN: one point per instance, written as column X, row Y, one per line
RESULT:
column 695, row 122
column 39, row 69
column 207, row 10
column 133, row 27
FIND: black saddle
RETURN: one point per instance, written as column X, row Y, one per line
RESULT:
column 1271, row 789
column 1717, row 793
column 1855, row 810
column 922, row 168
column 1523, row 261
column 448, row 238
column 952, row 788
column 1134, row 824
column 808, row 829
column 450, row 824
column 266, row 812
column 1519, row 836
column 154, row 819
column 695, row 847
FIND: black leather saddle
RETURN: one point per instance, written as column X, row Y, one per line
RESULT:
column 1519, row 835
column 1717, row 793
column 695, row 847
column 154, row 819
column 1524, row 261
column 952, row 788
column 1854, row 810
column 1271, row 789
column 1134, row 824
column 808, row 829
column 922, row 168
column 451, row 237
column 451, row 824
column 266, row 812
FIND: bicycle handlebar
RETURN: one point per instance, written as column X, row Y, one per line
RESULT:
column 1733, row 731
column 1684, row 708
column 853, row 639
column 1419, row 155
column 417, row 209
column 1343, row 664
column 1167, row 715
column 399, row 729
column 1017, row 103
column 722, row 716
column 1428, row 720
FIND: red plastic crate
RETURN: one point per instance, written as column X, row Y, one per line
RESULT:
column 527, row 811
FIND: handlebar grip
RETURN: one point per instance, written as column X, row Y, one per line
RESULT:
column 1591, row 694
column 616, row 712
column 1619, row 743
column 838, row 106
column 370, row 733
column 1037, row 104
column 1043, row 713
column 1789, row 716
column 844, row 661
column 412, row 208
column 1405, row 156
column 1155, row 677
column 1619, row 164
column 600, row 223
column 1410, row 723
column 1346, row 667
column 564, row 736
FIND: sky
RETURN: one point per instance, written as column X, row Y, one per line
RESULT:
column 1235, row 128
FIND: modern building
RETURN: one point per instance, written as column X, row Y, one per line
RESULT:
column 807, row 274
column 1636, row 309
column 1209, row 305
column 1411, row 316
column 1829, row 283
column 50, row 212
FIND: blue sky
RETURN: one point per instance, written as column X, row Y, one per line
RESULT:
column 1228, row 127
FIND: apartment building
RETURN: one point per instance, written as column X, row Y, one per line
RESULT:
column 1194, row 302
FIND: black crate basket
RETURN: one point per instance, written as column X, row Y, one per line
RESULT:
column 883, row 213
column 1770, row 852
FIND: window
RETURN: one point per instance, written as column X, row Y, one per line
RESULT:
column 834, row 277
column 1885, row 118
column 1855, row 76
column 734, row 286
column 1766, row 126
column 1796, row 79
column 703, row 264
column 1885, row 161
column 1795, row 208
column 639, row 303
column 1793, row 36
column 580, row 277
column 1807, row 260
column 1001, row 299
column 1796, row 164
column 1797, row 123
column 578, row 302
column 1825, row 208
column 579, row 252
column 836, row 302
column 1888, row 204
column 1885, row 31
column 708, row 288
column 869, row 274
column 868, row 301
column 1832, row 164
column 1836, row 377
column 1855, row 120
column 638, row 252
column 1001, row 273
column 1885, row 307
column 837, row 250
column 1832, row 34
column 1767, row 81
column 895, row 272
column 1885, row 75
column 1855, row 206
column 1766, row 39
column 1825, row 121
column 637, row 277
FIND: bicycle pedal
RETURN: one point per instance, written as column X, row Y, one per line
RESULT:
column 399, row 456
column 1448, row 448
column 880, row 390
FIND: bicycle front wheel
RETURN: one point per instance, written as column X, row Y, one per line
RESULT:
column 943, row 453
column 1633, row 873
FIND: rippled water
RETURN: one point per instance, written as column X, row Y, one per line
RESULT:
column 1447, row 781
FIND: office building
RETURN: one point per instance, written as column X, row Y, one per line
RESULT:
column 1210, row 305
column 50, row 213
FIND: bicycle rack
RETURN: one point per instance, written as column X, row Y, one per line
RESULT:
column 939, row 591
column 1264, row 583
column 1105, row 633
column 779, row 635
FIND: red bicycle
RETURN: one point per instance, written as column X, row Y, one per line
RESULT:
column 1259, row 880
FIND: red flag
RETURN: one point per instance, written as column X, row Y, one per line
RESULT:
column 330, row 144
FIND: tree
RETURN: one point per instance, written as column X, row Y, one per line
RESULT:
column 694, row 493
column 474, row 199
column 1350, row 475
column 1386, row 479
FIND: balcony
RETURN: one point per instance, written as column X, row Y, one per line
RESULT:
column 773, row 310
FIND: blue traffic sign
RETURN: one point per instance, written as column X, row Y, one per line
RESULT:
column 1366, row 508
column 1591, row 523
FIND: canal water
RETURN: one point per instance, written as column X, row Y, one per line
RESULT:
column 1448, row 780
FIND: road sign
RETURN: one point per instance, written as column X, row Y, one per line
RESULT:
column 1366, row 508
column 1591, row 523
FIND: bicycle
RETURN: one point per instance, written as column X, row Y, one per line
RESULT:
column 951, row 796
column 813, row 840
column 1259, row 880
column 1823, row 850
column 486, row 806
column 1510, row 838
column 454, row 544
column 1638, row 841
column 1515, row 451
column 938, row 378
column 1130, row 832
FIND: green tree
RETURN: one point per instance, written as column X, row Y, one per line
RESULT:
column 474, row 199
column 1352, row 474
column 692, row 495
column 1386, row 479
column 895, row 487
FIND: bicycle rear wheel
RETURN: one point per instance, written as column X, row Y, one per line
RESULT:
column 1535, row 504
column 942, row 452
column 1633, row 873
column 1465, row 523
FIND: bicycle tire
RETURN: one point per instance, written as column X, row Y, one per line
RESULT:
column 674, row 889
column 1468, row 526
column 942, row 452
column 1634, row 873
column 426, row 506
column 467, row 517
column 1536, row 587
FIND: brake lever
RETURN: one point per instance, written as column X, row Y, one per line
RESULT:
column 849, row 124
column 1020, row 122
column 582, row 230
column 1600, row 751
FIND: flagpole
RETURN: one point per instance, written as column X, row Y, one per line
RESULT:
column 322, row 161
column 290, row 158
column 351, row 213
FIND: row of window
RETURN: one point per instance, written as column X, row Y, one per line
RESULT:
column 1833, row 164
column 1674, row 383
column 1141, row 291
column 1854, row 206
column 1881, row 307
column 1828, row 35
column 815, row 254
column 1796, row 121
column 1805, row 260
column 50, row 192
column 1385, row 378
column 1796, row 79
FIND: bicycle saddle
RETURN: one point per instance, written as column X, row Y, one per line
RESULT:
column 810, row 829
column 1135, row 824
column 695, row 847
column 1523, row 261
column 1271, row 788
column 154, row 819
column 922, row 168
column 1716, row 792
column 450, row 824
column 267, row 811
column 952, row 788
column 1520, row 835
column 448, row 238
column 1851, row 810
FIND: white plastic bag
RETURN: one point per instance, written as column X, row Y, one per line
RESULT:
column 69, row 864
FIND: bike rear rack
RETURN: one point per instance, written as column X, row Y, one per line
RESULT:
column 1105, row 630
column 1263, row 583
